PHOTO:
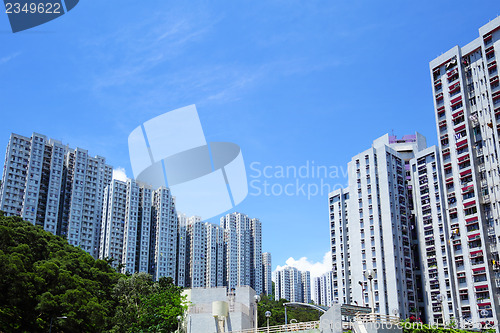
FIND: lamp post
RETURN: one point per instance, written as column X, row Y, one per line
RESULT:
column 52, row 318
column 268, row 314
column 369, row 276
column 179, row 319
column 362, row 292
column 257, row 300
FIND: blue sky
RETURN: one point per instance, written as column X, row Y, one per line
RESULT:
column 290, row 81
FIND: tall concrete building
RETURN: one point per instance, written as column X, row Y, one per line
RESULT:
column 369, row 226
column 243, row 251
column 267, row 273
column 435, row 237
column 196, row 250
column 126, row 225
column 306, row 287
column 215, row 256
column 323, row 289
column 56, row 187
column 292, row 285
column 140, row 229
column 466, row 90
column 204, row 254
column 164, row 231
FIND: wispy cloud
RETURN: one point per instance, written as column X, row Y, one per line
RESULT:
column 173, row 59
column 145, row 45
column 6, row 59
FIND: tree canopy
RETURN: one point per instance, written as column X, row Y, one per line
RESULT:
column 45, row 279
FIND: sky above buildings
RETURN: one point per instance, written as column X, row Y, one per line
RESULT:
column 301, row 86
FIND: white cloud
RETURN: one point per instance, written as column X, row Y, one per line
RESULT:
column 316, row 268
column 120, row 174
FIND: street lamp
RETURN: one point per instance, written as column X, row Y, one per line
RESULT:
column 362, row 292
column 268, row 314
column 257, row 300
column 52, row 318
column 179, row 319
column 369, row 276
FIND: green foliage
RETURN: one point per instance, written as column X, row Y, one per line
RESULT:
column 128, row 292
column 161, row 308
column 277, row 309
column 146, row 306
column 43, row 277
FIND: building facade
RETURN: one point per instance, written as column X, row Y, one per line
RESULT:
column 242, row 251
column 465, row 85
column 323, row 290
column 267, row 273
column 369, row 226
column 56, row 187
column 204, row 255
column 292, row 285
column 126, row 226
column 164, row 232
column 435, row 240
column 140, row 229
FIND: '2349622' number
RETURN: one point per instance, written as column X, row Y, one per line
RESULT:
column 40, row 8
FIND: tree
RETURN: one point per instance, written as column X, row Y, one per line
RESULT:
column 128, row 292
column 43, row 277
column 160, row 309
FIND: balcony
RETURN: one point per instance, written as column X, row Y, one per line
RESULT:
column 441, row 111
column 438, row 85
column 496, row 97
column 492, row 65
column 490, row 52
column 439, row 98
column 457, row 114
column 452, row 72
column 487, row 38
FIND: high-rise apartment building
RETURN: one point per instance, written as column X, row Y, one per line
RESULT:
column 466, row 90
column 126, row 225
column 243, row 251
column 215, row 255
column 323, row 289
column 72, row 194
column 267, row 273
column 435, row 240
column 196, row 249
column 204, row 253
column 306, row 287
column 182, row 250
column 164, row 231
column 56, row 187
column 292, row 285
column 369, row 224
column 140, row 229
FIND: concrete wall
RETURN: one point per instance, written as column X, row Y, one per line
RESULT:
column 199, row 317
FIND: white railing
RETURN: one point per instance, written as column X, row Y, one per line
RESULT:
column 295, row 327
column 375, row 317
